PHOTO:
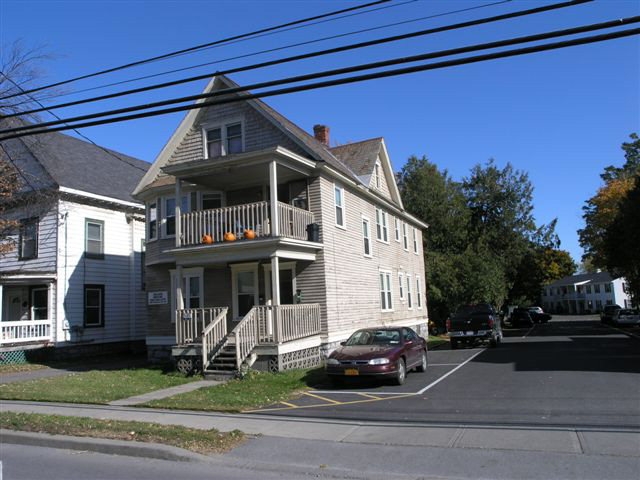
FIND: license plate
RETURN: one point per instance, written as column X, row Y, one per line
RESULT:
column 351, row 372
column 469, row 332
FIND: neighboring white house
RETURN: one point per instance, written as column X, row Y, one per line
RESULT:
column 585, row 293
column 75, row 276
column 318, row 241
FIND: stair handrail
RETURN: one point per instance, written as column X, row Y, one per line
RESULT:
column 246, row 336
column 214, row 338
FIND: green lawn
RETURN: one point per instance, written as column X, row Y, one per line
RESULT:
column 196, row 440
column 94, row 386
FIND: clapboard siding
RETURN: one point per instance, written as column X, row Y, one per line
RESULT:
column 119, row 272
column 47, row 242
column 352, row 280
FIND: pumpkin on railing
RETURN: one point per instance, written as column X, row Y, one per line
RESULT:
column 249, row 234
column 229, row 237
column 207, row 239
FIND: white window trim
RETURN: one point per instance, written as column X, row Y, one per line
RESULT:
column 383, row 217
column 405, row 237
column 186, row 273
column 368, row 237
column 93, row 221
column 223, row 134
column 409, row 292
column 388, row 293
column 401, row 285
column 378, row 181
column 163, row 222
column 418, row 293
column 397, row 222
column 343, row 207
column 243, row 267
column 155, row 202
column 416, row 250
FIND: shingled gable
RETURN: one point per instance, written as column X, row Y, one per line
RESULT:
column 315, row 149
column 55, row 160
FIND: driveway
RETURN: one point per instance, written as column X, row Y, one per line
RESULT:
column 572, row 372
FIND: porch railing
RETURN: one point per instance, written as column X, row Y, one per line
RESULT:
column 192, row 322
column 284, row 323
column 24, row 331
column 214, row 338
column 254, row 216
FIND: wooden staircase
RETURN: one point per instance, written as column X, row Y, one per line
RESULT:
column 223, row 365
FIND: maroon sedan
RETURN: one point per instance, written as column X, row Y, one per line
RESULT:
column 381, row 352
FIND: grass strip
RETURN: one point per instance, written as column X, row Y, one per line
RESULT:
column 196, row 440
column 94, row 386
column 255, row 390
column 20, row 367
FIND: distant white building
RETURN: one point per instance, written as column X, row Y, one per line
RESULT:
column 586, row 293
column 75, row 278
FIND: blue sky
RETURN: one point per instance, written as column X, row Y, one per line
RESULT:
column 561, row 116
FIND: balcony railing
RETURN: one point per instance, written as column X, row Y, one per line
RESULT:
column 25, row 331
column 192, row 322
column 215, row 223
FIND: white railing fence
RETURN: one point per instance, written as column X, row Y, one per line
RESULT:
column 293, row 221
column 24, row 331
column 214, row 338
column 192, row 322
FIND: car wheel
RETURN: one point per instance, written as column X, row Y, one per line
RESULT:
column 454, row 344
column 423, row 364
column 401, row 374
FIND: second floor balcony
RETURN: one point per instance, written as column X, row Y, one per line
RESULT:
column 244, row 223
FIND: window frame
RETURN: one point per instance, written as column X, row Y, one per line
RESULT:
column 382, row 226
column 87, row 253
column 397, row 224
column 224, row 137
column 415, row 241
column 401, row 295
column 166, row 215
column 405, row 236
column 100, row 288
column 385, row 290
column 418, row 293
column 22, row 237
column 378, row 182
column 337, row 189
column 153, row 207
column 366, row 239
column 409, row 292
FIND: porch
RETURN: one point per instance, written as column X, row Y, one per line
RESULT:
column 203, row 340
column 25, row 310
column 25, row 331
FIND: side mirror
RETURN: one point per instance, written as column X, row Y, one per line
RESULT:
column 343, row 343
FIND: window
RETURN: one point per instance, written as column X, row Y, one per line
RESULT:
column 366, row 237
column 169, row 213
column 598, row 305
column 152, row 221
column 40, row 303
column 418, row 293
column 588, row 288
column 596, row 288
column 386, row 303
column 382, row 229
column 28, row 242
column 224, row 140
column 192, row 288
column 94, row 305
column 401, row 285
column 405, row 237
column 94, row 238
column 607, row 288
column 211, row 200
column 377, row 174
column 397, row 230
column 415, row 240
column 409, row 292
column 339, row 202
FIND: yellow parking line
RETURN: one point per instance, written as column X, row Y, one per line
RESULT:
column 289, row 404
column 322, row 398
column 369, row 395
column 353, row 402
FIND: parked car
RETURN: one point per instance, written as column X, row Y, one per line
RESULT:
column 606, row 316
column 521, row 317
column 474, row 323
column 626, row 316
column 538, row 315
column 378, row 352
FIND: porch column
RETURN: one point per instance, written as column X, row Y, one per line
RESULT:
column 178, row 293
column 178, row 211
column 1, row 305
column 274, row 324
column 273, row 186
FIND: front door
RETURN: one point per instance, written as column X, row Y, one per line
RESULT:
column 287, row 283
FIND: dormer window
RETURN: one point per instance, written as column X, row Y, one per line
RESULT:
column 224, row 140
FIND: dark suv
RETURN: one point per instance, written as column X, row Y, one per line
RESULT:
column 474, row 323
column 606, row 316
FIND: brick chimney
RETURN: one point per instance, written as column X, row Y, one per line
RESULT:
column 321, row 132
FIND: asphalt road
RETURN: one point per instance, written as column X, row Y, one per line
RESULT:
column 570, row 372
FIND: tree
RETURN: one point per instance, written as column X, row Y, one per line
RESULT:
column 9, row 185
column 601, row 209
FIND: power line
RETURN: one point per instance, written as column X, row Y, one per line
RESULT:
column 329, row 51
column 199, row 47
column 345, row 70
column 271, row 50
column 354, row 79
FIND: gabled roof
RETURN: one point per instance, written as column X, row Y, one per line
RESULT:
column 55, row 160
column 360, row 156
column 583, row 279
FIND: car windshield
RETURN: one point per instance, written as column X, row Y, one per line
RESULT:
column 374, row 337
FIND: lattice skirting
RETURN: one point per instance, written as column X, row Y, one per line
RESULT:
column 307, row 358
column 15, row 357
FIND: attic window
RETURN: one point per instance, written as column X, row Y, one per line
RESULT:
column 377, row 174
column 224, row 140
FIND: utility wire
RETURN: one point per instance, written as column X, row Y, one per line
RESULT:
column 199, row 47
column 276, row 49
column 72, row 128
column 348, row 80
column 344, row 48
column 345, row 70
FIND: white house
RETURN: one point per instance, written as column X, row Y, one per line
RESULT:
column 75, row 276
column 585, row 293
column 279, row 247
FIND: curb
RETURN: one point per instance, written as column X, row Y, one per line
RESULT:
column 98, row 445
